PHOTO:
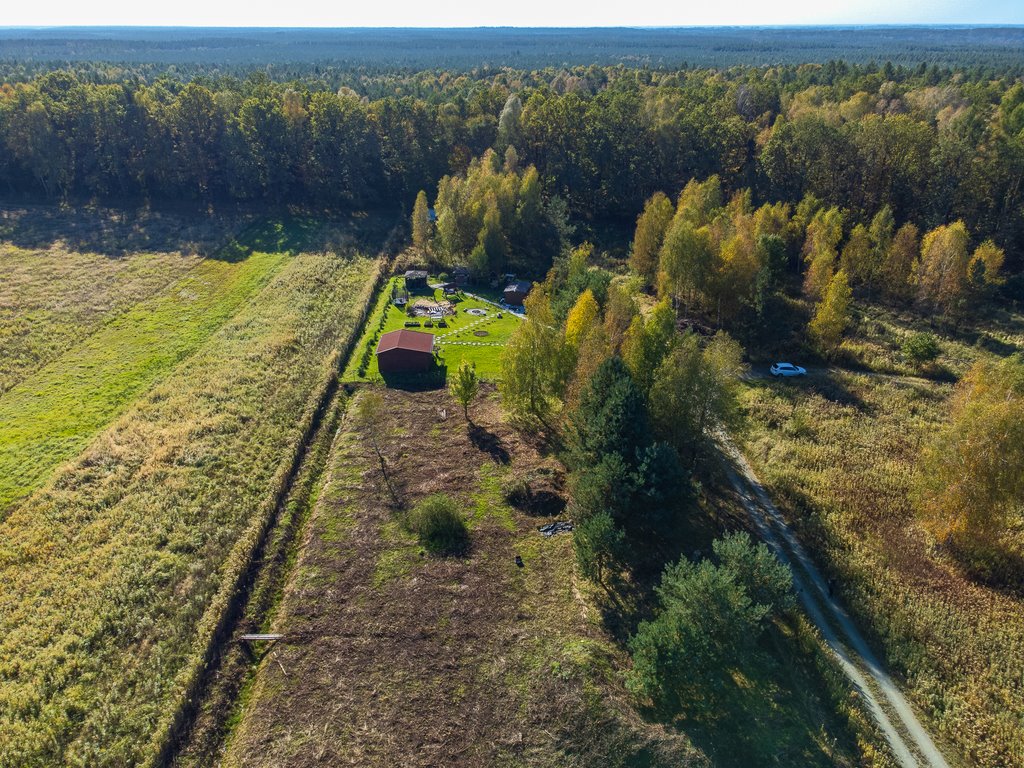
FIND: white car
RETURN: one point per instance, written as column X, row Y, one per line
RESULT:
column 788, row 369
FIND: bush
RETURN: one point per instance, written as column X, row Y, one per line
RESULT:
column 920, row 348
column 440, row 527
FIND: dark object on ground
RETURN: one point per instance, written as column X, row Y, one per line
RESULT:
column 561, row 526
column 490, row 443
column 412, row 323
column 519, row 561
column 481, row 333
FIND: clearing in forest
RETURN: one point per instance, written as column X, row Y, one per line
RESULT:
column 395, row 657
column 838, row 453
column 475, row 332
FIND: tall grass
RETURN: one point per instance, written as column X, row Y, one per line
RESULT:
column 50, row 299
column 115, row 576
column 839, row 457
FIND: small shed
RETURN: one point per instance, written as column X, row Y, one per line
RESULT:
column 415, row 279
column 516, row 291
column 405, row 351
column 460, row 275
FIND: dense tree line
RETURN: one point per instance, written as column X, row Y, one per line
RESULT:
column 491, row 218
column 335, row 53
column 634, row 404
column 933, row 146
column 727, row 260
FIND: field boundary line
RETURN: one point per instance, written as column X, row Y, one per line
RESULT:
column 228, row 603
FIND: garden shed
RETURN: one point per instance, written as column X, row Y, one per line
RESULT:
column 415, row 279
column 405, row 351
column 516, row 292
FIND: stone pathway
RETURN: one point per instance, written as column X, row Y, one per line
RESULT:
column 472, row 325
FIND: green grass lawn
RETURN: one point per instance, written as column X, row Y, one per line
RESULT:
column 457, row 342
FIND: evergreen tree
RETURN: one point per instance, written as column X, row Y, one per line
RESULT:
column 611, row 417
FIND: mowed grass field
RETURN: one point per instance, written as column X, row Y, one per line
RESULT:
column 51, row 298
column 457, row 342
column 116, row 569
column 394, row 657
column 63, row 273
column 839, row 453
column 48, row 417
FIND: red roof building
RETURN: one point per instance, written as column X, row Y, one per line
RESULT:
column 405, row 351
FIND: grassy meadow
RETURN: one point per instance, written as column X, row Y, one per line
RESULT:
column 49, row 417
column 50, row 299
column 115, row 572
column 63, row 274
column 838, row 453
column 455, row 343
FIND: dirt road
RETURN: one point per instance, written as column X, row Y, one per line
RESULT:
column 910, row 742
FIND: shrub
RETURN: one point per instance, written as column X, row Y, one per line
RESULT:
column 440, row 527
column 920, row 348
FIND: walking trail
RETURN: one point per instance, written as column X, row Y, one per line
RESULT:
column 910, row 742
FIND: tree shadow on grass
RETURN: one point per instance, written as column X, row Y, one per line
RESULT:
column 490, row 443
column 767, row 710
column 224, row 235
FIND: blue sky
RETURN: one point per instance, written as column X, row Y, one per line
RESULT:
column 442, row 13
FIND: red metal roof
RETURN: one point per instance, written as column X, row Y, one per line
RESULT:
column 417, row 341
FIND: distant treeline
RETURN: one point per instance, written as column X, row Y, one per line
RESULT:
column 376, row 50
column 934, row 146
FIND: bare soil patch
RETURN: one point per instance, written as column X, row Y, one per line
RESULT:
column 393, row 657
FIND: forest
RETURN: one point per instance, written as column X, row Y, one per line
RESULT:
column 334, row 53
column 935, row 146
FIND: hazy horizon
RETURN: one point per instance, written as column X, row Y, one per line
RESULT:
column 304, row 14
